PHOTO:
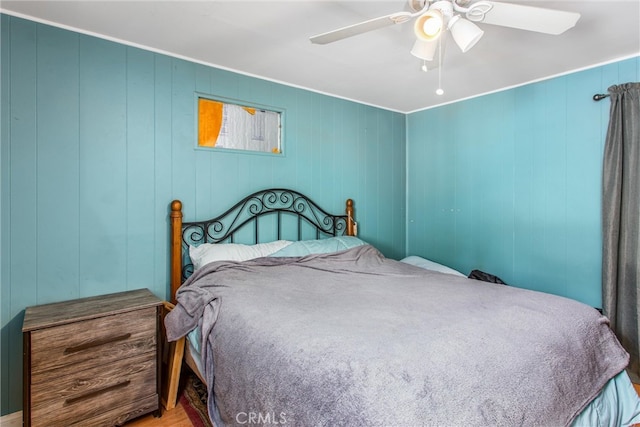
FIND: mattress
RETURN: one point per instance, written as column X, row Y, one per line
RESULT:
column 616, row 403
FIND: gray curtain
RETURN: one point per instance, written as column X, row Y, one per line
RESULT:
column 621, row 219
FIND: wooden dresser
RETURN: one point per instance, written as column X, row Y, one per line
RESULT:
column 92, row 361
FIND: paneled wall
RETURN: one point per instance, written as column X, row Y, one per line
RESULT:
column 510, row 183
column 98, row 138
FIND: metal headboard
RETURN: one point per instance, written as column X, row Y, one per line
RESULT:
column 246, row 217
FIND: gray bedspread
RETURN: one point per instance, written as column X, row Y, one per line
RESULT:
column 355, row 339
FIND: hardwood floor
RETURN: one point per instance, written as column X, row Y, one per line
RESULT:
column 177, row 417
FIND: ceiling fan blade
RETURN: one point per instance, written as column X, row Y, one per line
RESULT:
column 530, row 18
column 360, row 28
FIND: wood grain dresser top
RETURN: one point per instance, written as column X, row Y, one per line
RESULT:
column 59, row 313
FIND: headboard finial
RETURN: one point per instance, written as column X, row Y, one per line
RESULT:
column 352, row 226
column 176, row 247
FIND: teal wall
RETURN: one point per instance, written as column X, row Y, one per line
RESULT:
column 509, row 183
column 98, row 138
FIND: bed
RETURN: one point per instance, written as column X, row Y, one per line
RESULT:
column 293, row 320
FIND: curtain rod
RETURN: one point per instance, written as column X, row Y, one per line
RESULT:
column 600, row 96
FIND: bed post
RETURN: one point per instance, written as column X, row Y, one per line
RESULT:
column 352, row 226
column 176, row 247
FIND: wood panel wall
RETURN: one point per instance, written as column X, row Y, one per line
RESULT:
column 98, row 138
column 510, row 183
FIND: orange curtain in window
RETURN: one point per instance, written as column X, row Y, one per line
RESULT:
column 209, row 122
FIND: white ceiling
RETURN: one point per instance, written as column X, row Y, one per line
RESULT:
column 270, row 39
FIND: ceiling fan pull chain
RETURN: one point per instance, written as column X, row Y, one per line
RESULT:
column 439, row 91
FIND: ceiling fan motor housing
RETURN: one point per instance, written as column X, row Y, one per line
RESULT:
column 444, row 6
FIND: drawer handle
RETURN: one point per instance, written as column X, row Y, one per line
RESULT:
column 96, row 392
column 96, row 343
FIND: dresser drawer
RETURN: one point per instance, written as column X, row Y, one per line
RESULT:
column 98, row 341
column 63, row 395
column 119, row 416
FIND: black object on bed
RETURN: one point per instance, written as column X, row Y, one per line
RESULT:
column 485, row 277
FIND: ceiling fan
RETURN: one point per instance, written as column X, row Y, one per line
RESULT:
column 435, row 17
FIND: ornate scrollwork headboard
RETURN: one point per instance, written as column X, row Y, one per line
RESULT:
column 246, row 217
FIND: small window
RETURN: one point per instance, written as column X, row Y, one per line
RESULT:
column 237, row 126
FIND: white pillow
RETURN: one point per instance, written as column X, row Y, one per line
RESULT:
column 320, row 246
column 430, row 265
column 210, row 252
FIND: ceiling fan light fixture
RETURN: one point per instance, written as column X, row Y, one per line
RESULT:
column 429, row 25
column 424, row 50
column 465, row 33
